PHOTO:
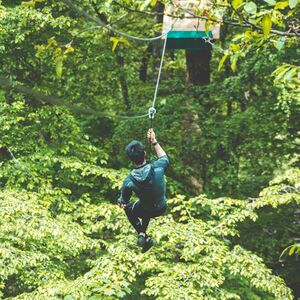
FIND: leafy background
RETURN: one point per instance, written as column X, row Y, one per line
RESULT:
column 232, row 227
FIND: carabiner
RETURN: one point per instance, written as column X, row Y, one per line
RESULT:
column 151, row 113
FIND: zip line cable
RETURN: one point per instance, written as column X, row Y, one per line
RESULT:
column 137, row 38
column 102, row 25
column 152, row 110
column 58, row 101
column 93, row 28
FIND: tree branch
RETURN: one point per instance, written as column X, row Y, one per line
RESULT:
column 245, row 23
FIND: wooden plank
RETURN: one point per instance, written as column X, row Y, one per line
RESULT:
column 188, row 24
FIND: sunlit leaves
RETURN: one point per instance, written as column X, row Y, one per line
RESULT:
column 63, row 237
column 31, row 3
column 287, row 74
column 262, row 279
column 263, row 18
column 207, row 27
column 32, row 239
column 293, row 3
column 291, row 250
column 266, row 24
column 237, row 4
column 59, row 66
column 279, row 43
column 233, row 62
column 271, row 2
column 222, row 60
column 195, row 266
column 116, row 41
column 281, row 5
column 250, row 8
column 153, row 2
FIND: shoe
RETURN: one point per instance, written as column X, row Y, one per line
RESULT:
column 148, row 244
column 141, row 241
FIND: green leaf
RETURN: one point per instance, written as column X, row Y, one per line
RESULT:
column 28, row 4
column 96, row 297
column 234, row 47
column 283, row 252
column 281, row 71
column 69, row 50
column 292, row 250
column 250, row 8
column 233, row 62
column 207, row 27
column 2, row 95
column 281, row 5
column 221, row 62
column 153, row 2
column 279, row 43
column 59, row 66
column 121, row 294
column 271, row 2
column 237, row 3
column 293, row 3
column 290, row 74
column 109, row 292
column 266, row 25
column 115, row 42
column 69, row 297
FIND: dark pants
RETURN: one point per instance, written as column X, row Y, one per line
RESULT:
column 135, row 211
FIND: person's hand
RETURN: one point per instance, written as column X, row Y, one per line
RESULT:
column 121, row 203
column 151, row 136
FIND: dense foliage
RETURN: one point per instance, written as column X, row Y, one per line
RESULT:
column 232, row 228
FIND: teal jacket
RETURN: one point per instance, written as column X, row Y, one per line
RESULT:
column 148, row 183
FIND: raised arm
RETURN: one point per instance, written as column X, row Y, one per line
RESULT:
column 158, row 149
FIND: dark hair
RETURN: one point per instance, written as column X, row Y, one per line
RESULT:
column 135, row 152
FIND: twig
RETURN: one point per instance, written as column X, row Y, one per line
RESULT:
column 245, row 24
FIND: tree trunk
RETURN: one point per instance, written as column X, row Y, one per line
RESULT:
column 198, row 66
column 154, row 48
column 157, row 44
column 145, row 61
column 123, row 82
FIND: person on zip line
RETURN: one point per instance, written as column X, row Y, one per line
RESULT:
column 147, row 181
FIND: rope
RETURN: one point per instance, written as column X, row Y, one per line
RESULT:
column 110, row 27
column 137, row 38
column 103, row 25
column 152, row 110
column 149, row 141
column 92, row 28
column 159, row 72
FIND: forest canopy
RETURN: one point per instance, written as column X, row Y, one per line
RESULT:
column 73, row 82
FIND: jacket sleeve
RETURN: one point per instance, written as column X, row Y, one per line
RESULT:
column 126, row 192
column 162, row 162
